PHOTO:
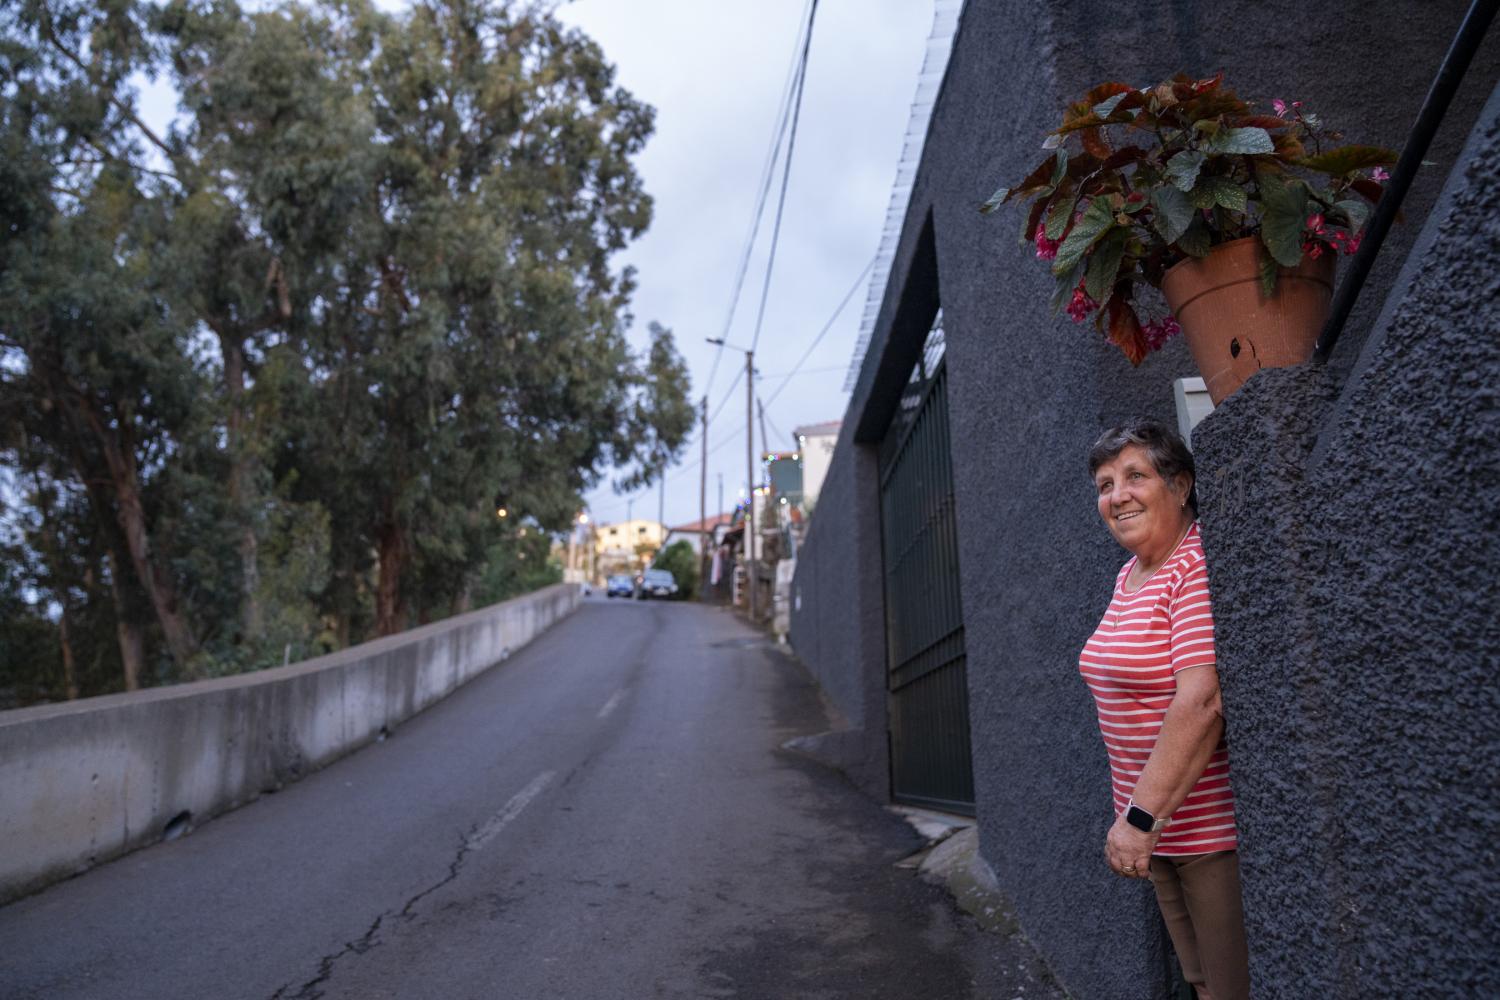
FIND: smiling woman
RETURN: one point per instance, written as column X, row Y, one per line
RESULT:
column 1151, row 667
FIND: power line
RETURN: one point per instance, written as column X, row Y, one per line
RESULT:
column 727, row 394
column 767, row 172
column 805, row 371
column 786, row 175
column 823, row 332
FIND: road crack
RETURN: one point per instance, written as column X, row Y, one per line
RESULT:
column 478, row 835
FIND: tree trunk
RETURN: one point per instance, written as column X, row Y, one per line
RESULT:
column 70, row 669
column 132, row 644
column 131, row 514
column 390, row 610
column 241, row 489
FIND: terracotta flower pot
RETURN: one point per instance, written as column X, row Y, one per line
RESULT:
column 1232, row 330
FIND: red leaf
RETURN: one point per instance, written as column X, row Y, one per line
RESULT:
column 1258, row 121
column 1035, row 218
column 1120, row 157
column 1035, row 181
column 1372, row 190
column 1105, row 91
column 1094, row 142
column 1125, row 330
column 1288, row 147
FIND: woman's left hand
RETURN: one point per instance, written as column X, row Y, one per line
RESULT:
column 1128, row 850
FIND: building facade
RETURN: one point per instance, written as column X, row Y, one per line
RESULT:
column 1349, row 514
column 625, row 547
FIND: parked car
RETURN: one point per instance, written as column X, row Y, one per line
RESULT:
column 656, row 583
column 620, row 585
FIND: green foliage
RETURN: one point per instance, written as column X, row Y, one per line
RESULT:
column 1169, row 172
column 680, row 559
column 515, row 565
column 271, row 369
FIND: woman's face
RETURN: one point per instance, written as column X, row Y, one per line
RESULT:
column 1143, row 511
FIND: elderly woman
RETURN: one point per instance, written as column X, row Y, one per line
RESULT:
column 1151, row 668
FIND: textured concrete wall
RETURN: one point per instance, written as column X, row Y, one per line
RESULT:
column 837, row 615
column 1030, row 391
column 1359, row 631
column 86, row 781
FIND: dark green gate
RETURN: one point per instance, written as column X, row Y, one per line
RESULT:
column 926, row 671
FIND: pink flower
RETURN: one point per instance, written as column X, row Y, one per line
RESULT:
column 1045, row 249
column 1351, row 243
column 1379, row 174
column 1313, row 249
column 1159, row 332
column 1279, row 106
column 1296, row 104
column 1315, row 223
column 1081, row 306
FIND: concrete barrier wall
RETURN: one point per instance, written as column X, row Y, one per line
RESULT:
column 87, row 781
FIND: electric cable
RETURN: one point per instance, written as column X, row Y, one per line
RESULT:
column 858, row 283
column 767, row 173
column 786, row 176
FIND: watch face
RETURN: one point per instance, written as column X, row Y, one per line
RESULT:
column 1139, row 818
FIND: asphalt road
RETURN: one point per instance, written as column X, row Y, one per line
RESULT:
column 608, row 814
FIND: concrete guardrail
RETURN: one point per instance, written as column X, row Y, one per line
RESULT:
column 86, row 781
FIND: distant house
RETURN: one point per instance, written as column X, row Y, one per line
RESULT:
column 815, row 444
column 692, row 532
column 626, row 546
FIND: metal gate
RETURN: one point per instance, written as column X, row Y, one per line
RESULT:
column 926, row 669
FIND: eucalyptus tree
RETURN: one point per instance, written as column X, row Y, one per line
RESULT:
column 270, row 367
column 472, row 341
column 96, row 367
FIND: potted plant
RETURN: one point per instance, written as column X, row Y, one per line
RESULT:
column 1235, row 215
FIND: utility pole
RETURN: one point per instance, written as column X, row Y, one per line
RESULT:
column 720, row 508
column 765, row 442
column 704, row 533
column 749, row 470
column 750, row 537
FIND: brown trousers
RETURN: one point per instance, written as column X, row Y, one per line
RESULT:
column 1199, row 896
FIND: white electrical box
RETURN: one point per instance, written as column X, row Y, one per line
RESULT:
column 1193, row 405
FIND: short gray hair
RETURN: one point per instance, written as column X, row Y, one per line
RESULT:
column 1168, row 453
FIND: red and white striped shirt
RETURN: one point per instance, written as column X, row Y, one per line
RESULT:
column 1130, row 664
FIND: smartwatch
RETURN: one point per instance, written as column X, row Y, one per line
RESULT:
column 1142, row 820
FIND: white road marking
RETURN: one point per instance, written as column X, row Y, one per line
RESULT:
column 511, row 810
column 612, row 704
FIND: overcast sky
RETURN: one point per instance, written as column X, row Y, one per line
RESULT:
column 715, row 72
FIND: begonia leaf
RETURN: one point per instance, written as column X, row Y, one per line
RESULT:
column 1059, row 215
column 1097, row 219
column 1347, row 159
column 1242, row 141
column 1183, row 168
column 1283, row 218
column 1124, row 328
column 1104, row 265
column 1197, row 241
column 1171, row 213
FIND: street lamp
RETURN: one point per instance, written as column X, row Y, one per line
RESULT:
column 749, row 464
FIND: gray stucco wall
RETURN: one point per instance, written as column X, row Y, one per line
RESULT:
column 1359, row 631
column 1029, row 392
column 837, row 620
